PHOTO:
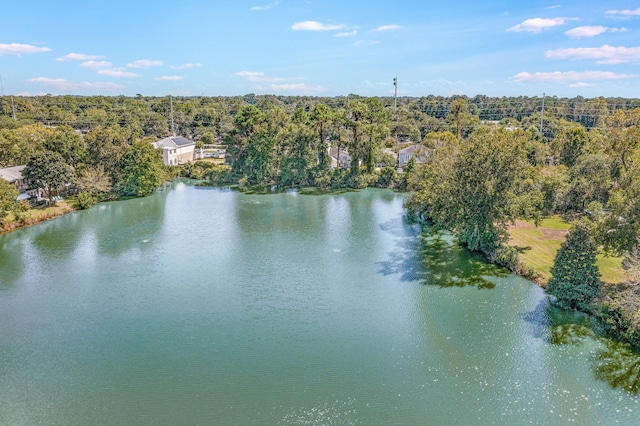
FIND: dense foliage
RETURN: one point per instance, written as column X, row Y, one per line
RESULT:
column 575, row 280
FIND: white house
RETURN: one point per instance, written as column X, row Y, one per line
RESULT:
column 418, row 151
column 176, row 150
column 344, row 162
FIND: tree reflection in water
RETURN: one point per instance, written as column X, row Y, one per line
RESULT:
column 618, row 364
column 435, row 258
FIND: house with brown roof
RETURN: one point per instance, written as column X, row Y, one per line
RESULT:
column 14, row 176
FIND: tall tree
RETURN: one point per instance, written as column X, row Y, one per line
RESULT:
column 142, row 170
column 457, row 111
column 8, row 195
column 575, row 277
column 478, row 191
column 66, row 142
column 105, row 147
column 376, row 130
column 48, row 170
column 322, row 116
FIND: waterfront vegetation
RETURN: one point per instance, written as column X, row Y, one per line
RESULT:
column 486, row 167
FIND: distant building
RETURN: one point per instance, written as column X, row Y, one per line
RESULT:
column 176, row 150
column 14, row 176
column 344, row 162
column 420, row 153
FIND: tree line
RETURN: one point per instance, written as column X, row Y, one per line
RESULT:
column 485, row 162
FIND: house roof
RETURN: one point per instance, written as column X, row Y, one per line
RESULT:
column 173, row 142
column 12, row 173
column 343, row 153
column 409, row 150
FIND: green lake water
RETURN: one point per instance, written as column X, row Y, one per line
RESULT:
column 209, row 306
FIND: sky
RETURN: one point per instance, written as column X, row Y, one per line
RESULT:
column 321, row 47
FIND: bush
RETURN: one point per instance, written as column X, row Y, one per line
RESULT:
column 621, row 314
column 386, row 177
column 85, row 200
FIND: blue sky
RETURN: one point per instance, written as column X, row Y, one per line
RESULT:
column 321, row 47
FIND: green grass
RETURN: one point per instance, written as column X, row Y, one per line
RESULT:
column 538, row 247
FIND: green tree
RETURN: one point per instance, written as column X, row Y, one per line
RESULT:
column 476, row 190
column 94, row 179
column 142, row 170
column 376, row 130
column 457, row 112
column 105, row 147
column 66, row 142
column 299, row 144
column 570, row 142
column 575, row 277
column 48, row 170
column 8, row 195
column 322, row 116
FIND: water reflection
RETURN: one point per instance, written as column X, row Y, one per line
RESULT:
column 121, row 226
column 568, row 327
column 435, row 258
column 11, row 261
column 618, row 364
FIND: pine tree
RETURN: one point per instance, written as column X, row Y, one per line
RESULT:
column 575, row 277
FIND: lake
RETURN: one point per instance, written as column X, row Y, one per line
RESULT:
column 210, row 306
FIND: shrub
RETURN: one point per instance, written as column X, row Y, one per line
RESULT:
column 85, row 200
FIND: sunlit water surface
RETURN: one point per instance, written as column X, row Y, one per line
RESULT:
column 208, row 306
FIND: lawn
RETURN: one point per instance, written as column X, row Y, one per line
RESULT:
column 538, row 247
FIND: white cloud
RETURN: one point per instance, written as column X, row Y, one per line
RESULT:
column 316, row 26
column 555, row 6
column 570, row 76
column 249, row 74
column 536, row 25
column 117, row 72
column 258, row 76
column 187, row 66
column 18, row 49
column 623, row 14
column 592, row 31
column 366, row 42
column 79, row 57
column 300, row 88
column 605, row 54
column 389, row 27
column 70, row 86
column 170, row 78
column 145, row 63
column 266, row 6
column 96, row 64
column 347, row 34
column 582, row 84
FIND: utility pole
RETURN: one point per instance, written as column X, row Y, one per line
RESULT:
column 395, row 116
column 542, row 116
column 13, row 109
column 395, row 95
column 173, row 129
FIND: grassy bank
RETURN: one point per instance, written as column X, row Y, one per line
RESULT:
column 538, row 247
column 36, row 215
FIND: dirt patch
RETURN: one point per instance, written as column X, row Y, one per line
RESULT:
column 520, row 224
column 553, row 234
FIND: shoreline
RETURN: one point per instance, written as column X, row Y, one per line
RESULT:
column 61, row 208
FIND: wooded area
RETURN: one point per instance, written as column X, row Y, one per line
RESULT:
column 480, row 164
